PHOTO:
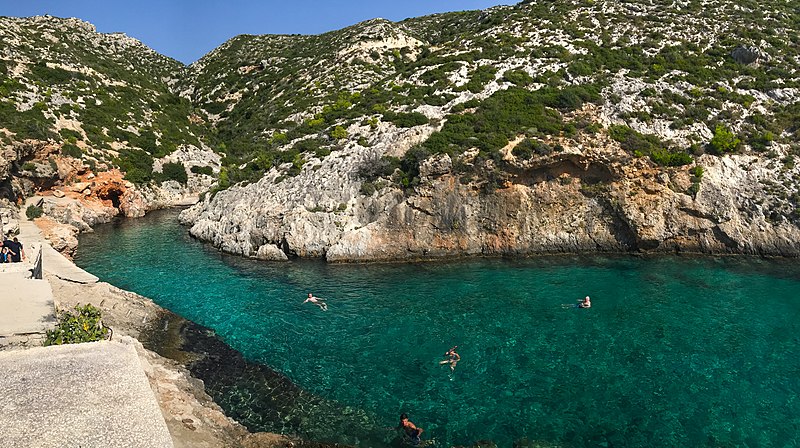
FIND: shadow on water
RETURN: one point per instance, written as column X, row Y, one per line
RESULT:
column 254, row 394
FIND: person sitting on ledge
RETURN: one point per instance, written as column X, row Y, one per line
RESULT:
column 14, row 247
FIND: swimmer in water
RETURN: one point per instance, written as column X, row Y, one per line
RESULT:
column 317, row 301
column 452, row 358
column 411, row 430
column 586, row 303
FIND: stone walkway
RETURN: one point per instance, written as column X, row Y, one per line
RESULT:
column 27, row 304
column 80, row 395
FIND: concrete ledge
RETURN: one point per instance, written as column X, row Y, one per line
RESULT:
column 58, row 265
column 27, row 305
column 81, row 395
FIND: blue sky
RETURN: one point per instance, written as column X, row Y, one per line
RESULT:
column 188, row 29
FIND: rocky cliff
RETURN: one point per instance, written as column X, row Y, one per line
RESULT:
column 541, row 127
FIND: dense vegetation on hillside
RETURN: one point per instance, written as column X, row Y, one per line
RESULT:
column 682, row 66
column 673, row 78
column 104, row 98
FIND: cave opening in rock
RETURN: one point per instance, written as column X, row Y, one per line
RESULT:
column 113, row 195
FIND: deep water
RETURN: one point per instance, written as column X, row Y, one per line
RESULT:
column 676, row 351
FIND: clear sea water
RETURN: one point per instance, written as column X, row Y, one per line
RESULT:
column 676, row 351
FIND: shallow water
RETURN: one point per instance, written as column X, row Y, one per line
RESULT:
column 676, row 351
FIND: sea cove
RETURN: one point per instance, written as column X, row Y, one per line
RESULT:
column 675, row 350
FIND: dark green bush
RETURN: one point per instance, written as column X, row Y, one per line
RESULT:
column 53, row 75
column 665, row 157
column 82, row 326
column 518, row 77
column 33, row 212
column 480, row 77
column 70, row 135
column 71, row 151
column 406, row 120
column 367, row 188
column 630, row 140
column 724, row 141
column 137, row 165
column 173, row 171
column 207, row 170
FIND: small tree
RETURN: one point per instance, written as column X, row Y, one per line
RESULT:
column 724, row 141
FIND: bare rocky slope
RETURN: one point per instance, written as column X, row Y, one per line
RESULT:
column 541, row 127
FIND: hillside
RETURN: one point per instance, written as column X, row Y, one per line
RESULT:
column 76, row 104
column 540, row 127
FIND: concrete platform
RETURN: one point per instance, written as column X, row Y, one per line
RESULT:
column 92, row 395
column 26, row 304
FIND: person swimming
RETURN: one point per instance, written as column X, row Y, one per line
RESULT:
column 411, row 430
column 587, row 303
column 317, row 301
column 452, row 358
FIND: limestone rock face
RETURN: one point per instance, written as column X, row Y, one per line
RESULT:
column 579, row 200
column 271, row 253
column 82, row 215
column 63, row 237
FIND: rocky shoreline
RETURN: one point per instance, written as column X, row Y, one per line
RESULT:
column 181, row 359
column 178, row 357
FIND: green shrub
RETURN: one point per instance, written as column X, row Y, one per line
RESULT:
column 368, row 188
column 633, row 141
column 207, row 170
column 480, row 78
column 33, row 212
column 338, row 133
column 724, row 141
column 665, row 157
column 406, row 120
column 53, row 75
column 518, row 77
column 71, row 151
column 137, row 165
column 173, row 171
column 82, row 326
column 697, row 172
column 28, row 166
column 70, row 135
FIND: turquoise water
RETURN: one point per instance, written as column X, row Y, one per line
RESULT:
column 675, row 351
